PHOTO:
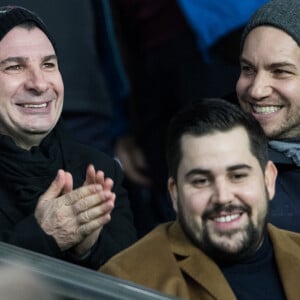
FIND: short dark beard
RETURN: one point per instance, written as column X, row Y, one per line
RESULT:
column 228, row 258
column 216, row 252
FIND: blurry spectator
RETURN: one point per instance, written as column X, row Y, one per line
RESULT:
column 168, row 66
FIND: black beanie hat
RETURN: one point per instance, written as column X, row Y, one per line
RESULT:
column 282, row 14
column 11, row 16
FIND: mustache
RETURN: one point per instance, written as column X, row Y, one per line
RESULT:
column 227, row 208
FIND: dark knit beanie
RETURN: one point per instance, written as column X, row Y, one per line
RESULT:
column 11, row 16
column 282, row 14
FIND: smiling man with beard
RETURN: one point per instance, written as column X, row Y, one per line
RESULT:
column 220, row 246
column 269, row 89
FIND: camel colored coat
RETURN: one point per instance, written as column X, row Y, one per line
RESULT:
column 166, row 260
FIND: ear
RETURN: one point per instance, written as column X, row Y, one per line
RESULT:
column 173, row 192
column 270, row 178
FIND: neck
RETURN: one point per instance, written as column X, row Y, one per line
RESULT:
column 28, row 141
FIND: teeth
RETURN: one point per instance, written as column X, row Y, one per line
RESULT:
column 265, row 109
column 224, row 219
column 35, row 105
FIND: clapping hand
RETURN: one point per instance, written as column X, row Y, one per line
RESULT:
column 75, row 218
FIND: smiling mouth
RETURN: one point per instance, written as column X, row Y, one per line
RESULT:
column 227, row 218
column 42, row 105
column 265, row 109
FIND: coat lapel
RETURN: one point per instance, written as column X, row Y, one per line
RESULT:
column 199, row 267
column 287, row 256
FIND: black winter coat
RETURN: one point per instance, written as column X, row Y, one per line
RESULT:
column 285, row 207
column 21, row 229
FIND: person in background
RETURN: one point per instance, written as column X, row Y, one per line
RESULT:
column 269, row 87
column 58, row 197
column 175, row 53
column 220, row 246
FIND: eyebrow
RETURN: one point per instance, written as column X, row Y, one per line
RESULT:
column 50, row 57
column 11, row 59
column 20, row 59
column 206, row 172
column 271, row 66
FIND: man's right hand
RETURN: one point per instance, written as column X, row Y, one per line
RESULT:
column 69, row 216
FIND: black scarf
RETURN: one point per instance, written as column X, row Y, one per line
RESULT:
column 28, row 174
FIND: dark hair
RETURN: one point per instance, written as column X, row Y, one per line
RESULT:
column 207, row 116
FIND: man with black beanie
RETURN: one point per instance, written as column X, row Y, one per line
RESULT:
column 269, row 89
column 58, row 197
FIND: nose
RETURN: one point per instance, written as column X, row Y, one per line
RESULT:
column 222, row 192
column 260, row 87
column 36, row 81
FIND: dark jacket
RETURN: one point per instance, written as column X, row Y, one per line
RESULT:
column 167, row 261
column 285, row 207
column 21, row 229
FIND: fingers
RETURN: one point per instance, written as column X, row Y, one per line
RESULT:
column 67, row 226
column 72, row 215
column 108, row 184
column 97, row 211
column 95, row 198
column 100, row 178
column 88, row 228
column 81, row 193
column 62, row 181
column 68, row 187
column 93, row 177
column 90, row 175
